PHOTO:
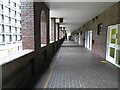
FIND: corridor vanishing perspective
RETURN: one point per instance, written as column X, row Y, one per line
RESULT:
column 60, row 44
column 76, row 67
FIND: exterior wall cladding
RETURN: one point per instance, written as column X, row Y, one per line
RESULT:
column 107, row 18
column 27, row 24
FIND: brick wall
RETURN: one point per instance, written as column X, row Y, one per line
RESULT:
column 60, row 33
column 52, row 29
column 43, row 28
column 108, row 17
column 27, row 24
column 57, row 26
column 38, row 28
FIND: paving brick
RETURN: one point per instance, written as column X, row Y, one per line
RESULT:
column 77, row 67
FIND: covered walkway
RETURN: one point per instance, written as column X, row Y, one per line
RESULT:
column 76, row 67
column 90, row 59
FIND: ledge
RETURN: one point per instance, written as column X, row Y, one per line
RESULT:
column 12, row 57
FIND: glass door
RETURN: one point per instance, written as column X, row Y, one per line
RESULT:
column 112, row 47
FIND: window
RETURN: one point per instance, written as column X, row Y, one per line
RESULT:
column 9, row 20
column 1, row 28
column 14, row 38
column 18, row 23
column 8, row 38
column 10, row 28
column 99, row 29
column 18, row 30
column 15, row 22
column 6, row 11
column 2, row 18
column 14, row 4
column 2, row 38
column 15, row 14
column 19, row 37
column 12, row 13
column 6, row 20
column 43, row 29
column 9, row 11
column 19, row 7
column 9, row 1
column 7, row 29
column 1, row 7
column 15, row 29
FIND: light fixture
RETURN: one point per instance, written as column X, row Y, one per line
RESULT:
column 61, row 20
column 58, row 20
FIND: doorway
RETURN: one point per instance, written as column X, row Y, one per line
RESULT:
column 88, row 40
column 113, row 45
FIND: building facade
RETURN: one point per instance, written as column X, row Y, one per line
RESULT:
column 10, row 27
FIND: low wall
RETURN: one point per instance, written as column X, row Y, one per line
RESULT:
column 20, row 71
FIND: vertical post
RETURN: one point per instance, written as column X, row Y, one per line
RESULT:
column 119, row 42
column 60, row 33
column 54, row 30
column 27, row 29
column 58, row 30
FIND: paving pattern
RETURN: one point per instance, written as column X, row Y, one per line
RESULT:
column 77, row 67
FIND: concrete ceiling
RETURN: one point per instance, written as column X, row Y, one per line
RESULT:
column 75, row 14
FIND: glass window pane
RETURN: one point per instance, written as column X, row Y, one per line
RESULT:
column 7, row 29
column 112, row 52
column 6, row 20
column 2, row 38
column 14, row 38
column 6, row 10
column 1, row 28
column 13, row 30
column 2, row 18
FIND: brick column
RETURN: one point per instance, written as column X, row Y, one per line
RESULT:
column 43, row 28
column 60, row 33
column 57, row 31
column 52, row 30
column 53, row 27
column 27, row 24
column 118, row 12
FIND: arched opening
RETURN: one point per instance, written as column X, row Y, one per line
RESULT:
column 43, row 29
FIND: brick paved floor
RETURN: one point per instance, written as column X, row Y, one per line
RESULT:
column 77, row 67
